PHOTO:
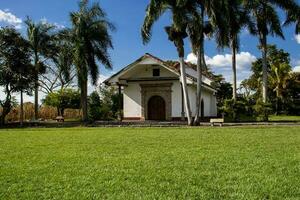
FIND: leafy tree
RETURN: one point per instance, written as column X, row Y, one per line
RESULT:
column 15, row 69
column 224, row 90
column 63, row 99
column 280, row 74
column 105, row 104
column 111, row 97
column 293, row 93
column 41, row 41
column 91, row 41
column 95, row 108
column 279, row 77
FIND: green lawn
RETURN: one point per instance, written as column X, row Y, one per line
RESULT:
column 272, row 118
column 150, row 163
column 283, row 118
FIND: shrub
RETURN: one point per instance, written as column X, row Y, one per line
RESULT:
column 263, row 110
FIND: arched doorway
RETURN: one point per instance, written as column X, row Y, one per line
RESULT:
column 156, row 108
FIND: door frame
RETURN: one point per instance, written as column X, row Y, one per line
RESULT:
column 163, row 90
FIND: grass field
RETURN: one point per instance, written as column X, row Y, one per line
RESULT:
column 272, row 118
column 283, row 118
column 150, row 163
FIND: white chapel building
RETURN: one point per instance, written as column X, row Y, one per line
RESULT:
column 152, row 90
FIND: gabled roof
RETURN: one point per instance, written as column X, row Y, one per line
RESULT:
column 172, row 66
column 147, row 55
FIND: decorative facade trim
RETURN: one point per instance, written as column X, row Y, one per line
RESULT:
column 163, row 90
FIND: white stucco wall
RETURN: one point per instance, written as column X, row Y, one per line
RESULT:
column 210, row 107
column 176, row 99
column 132, row 100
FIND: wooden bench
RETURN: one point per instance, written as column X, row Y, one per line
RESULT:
column 60, row 119
column 217, row 120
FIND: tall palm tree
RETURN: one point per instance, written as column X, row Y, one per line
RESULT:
column 197, row 29
column 41, row 42
column 91, row 41
column 176, row 33
column 264, row 12
column 214, row 12
column 177, row 37
column 237, row 19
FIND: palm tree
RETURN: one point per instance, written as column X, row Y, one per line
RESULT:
column 293, row 16
column 267, row 23
column 280, row 74
column 237, row 19
column 176, row 33
column 91, row 41
column 177, row 37
column 197, row 29
column 41, row 44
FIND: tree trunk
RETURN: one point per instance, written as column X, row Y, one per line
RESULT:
column 62, row 112
column 277, row 106
column 265, row 69
column 185, row 91
column 21, row 109
column 36, row 86
column 120, row 102
column 36, row 100
column 6, row 107
column 199, row 87
column 84, row 105
column 234, row 71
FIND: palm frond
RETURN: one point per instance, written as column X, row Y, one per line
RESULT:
column 153, row 12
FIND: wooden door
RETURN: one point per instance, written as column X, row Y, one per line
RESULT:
column 156, row 108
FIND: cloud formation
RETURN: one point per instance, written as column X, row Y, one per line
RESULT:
column 297, row 38
column 8, row 18
column 55, row 24
column 243, row 60
column 221, row 64
column 296, row 69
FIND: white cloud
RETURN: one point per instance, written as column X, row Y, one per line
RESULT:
column 296, row 69
column 8, row 18
column 221, row 64
column 92, row 88
column 297, row 38
column 57, row 25
column 243, row 60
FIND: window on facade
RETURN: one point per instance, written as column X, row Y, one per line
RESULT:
column 156, row 72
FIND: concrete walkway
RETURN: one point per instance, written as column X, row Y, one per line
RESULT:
column 142, row 124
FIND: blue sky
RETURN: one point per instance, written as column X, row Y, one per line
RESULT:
column 127, row 15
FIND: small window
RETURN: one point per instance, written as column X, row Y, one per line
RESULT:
column 156, row 72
